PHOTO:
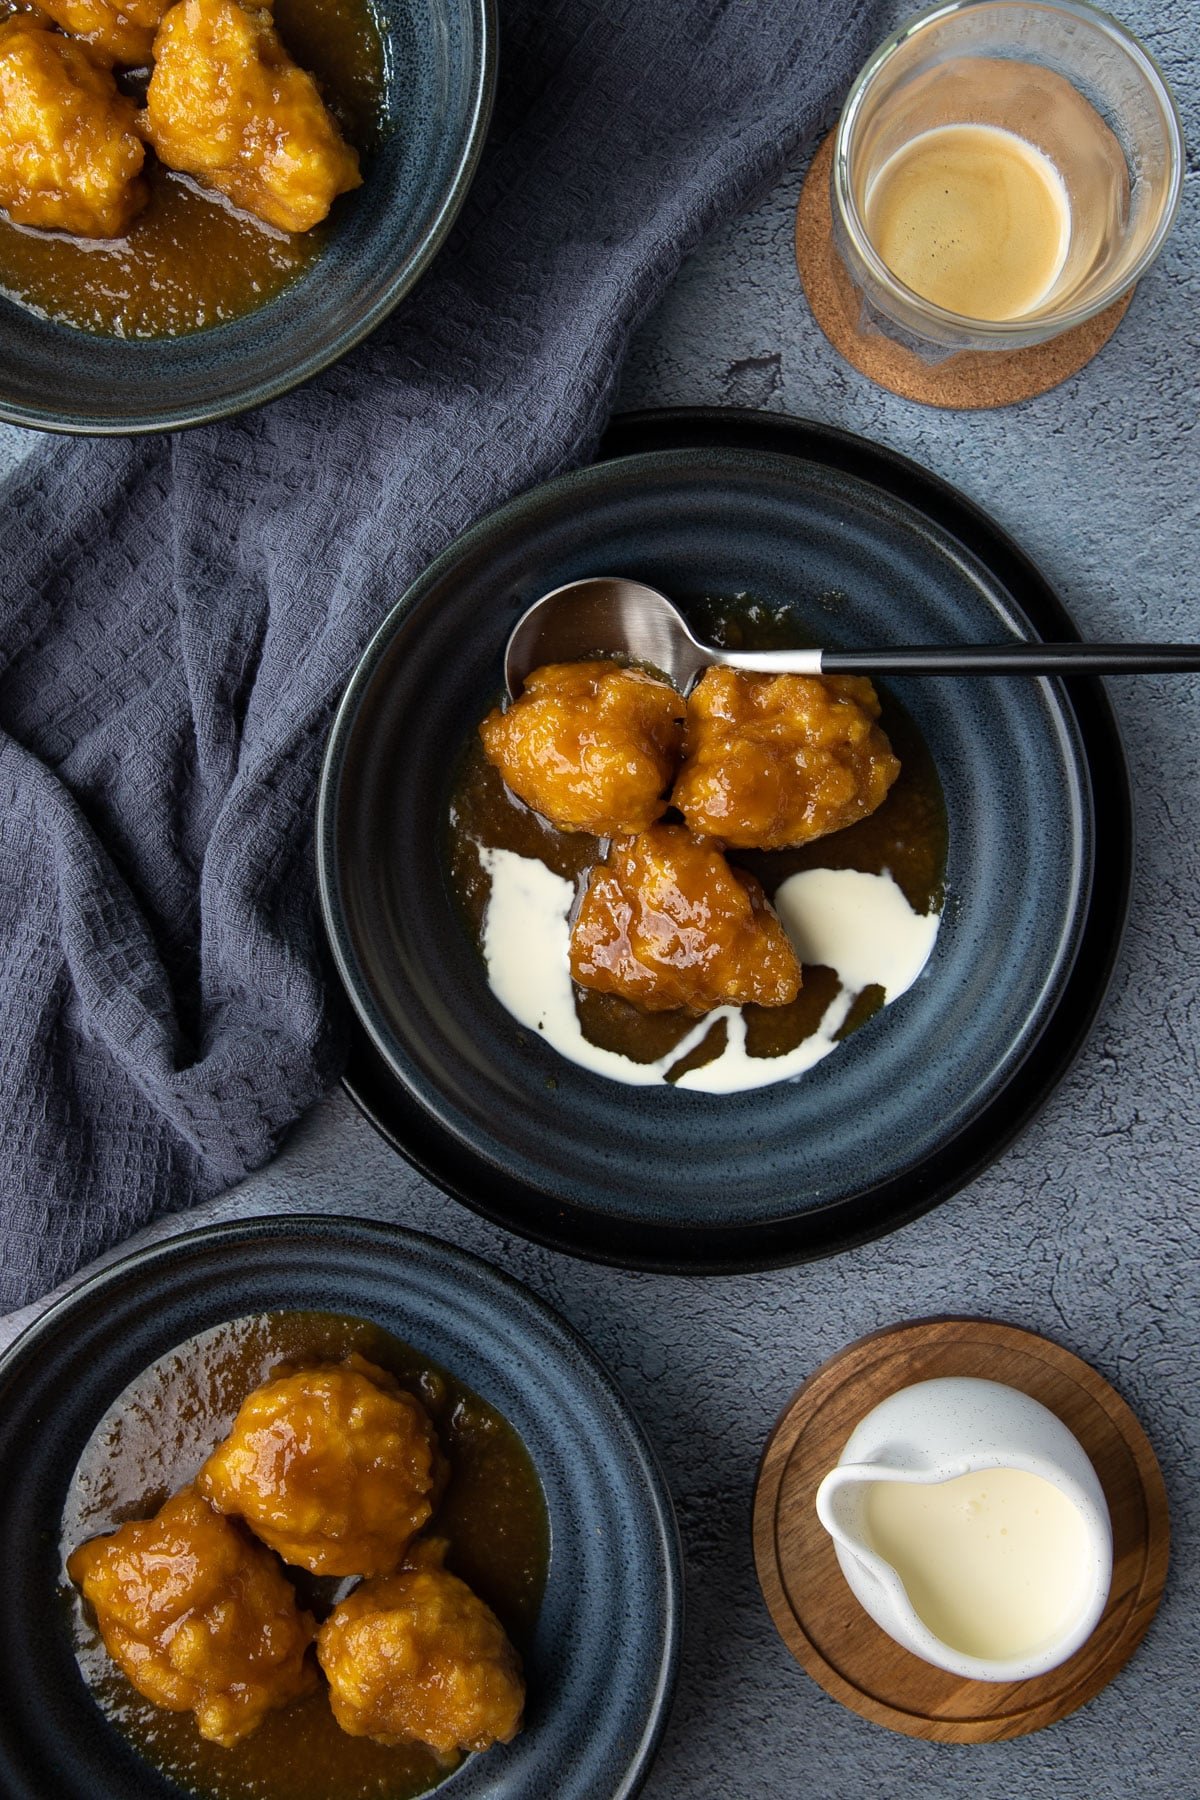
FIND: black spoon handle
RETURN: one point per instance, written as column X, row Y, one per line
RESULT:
column 1015, row 659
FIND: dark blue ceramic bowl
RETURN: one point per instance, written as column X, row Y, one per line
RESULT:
column 648, row 1174
column 440, row 75
column 602, row 1665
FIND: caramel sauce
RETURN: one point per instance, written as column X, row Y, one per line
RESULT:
column 152, row 1442
column 905, row 836
column 191, row 260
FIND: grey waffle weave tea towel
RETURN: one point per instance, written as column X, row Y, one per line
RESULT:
column 178, row 615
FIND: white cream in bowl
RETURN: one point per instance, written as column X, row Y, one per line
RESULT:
column 857, row 924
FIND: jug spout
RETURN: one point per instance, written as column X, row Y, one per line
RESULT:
column 842, row 1510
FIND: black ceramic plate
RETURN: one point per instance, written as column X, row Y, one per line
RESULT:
column 601, row 1669
column 925, row 1095
column 440, row 71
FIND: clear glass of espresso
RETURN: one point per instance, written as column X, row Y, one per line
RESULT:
column 1003, row 170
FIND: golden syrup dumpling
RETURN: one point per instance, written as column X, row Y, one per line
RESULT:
column 336, row 1467
column 227, row 104
column 199, row 1617
column 667, row 923
column 589, row 745
column 70, row 156
column 122, row 34
column 417, row 1655
column 777, row 760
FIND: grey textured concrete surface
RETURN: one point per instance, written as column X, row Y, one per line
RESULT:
column 1089, row 1228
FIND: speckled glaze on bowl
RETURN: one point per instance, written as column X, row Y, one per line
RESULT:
column 602, row 1667
column 653, row 1176
column 440, row 69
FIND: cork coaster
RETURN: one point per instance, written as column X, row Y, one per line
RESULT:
column 812, row 1606
column 969, row 378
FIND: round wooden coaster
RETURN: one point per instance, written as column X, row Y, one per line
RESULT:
column 969, row 378
column 818, row 1617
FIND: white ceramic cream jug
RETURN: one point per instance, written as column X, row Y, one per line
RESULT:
column 934, row 1432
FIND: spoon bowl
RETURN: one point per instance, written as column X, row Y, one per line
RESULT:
column 605, row 615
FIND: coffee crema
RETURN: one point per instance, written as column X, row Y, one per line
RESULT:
column 972, row 218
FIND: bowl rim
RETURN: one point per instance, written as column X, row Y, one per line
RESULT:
column 505, row 1198
column 90, row 1287
column 165, row 418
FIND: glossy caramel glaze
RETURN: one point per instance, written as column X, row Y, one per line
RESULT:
column 418, row 1655
column 200, row 1616
column 70, row 155
column 772, row 761
column 121, row 32
column 667, row 924
column 190, row 259
column 590, row 746
column 335, row 1467
column 905, row 836
column 227, row 104
column 158, row 1434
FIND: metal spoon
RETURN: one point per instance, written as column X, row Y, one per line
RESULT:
column 607, row 615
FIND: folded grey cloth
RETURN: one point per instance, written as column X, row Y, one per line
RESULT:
column 177, row 616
